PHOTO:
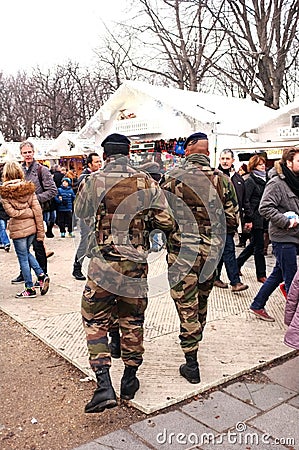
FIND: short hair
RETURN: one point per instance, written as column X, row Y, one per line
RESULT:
column 12, row 171
column 288, row 154
column 26, row 143
column 90, row 156
column 254, row 161
column 228, row 150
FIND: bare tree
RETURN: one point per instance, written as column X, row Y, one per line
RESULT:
column 245, row 47
column 261, row 35
column 176, row 40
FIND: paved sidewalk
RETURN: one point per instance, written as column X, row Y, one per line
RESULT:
column 235, row 343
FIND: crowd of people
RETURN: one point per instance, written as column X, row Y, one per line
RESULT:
column 121, row 209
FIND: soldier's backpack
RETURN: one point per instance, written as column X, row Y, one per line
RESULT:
column 201, row 191
column 123, row 213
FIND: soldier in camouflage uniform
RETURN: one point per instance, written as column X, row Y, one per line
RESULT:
column 121, row 206
column 204, row 204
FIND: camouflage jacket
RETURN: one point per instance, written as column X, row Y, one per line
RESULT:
column 203, row 201
column 121, row 207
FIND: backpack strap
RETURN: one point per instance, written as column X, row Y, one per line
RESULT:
column 39, row 174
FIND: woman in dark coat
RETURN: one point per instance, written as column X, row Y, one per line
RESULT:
column 255, row 185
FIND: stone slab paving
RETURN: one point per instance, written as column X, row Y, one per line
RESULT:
column 261, row 396
column 249, row 439
column 287, row 374
column 121, row 440
column 219, row 421
column 173, row 430
column 294, row 401
column 281, row 422
column 220, row 411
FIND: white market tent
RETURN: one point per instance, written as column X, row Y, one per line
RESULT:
column 274, row 135
column 65, row 145
column 143, row 112
column 68, row 143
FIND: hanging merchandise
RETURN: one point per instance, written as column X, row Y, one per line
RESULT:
column 179, row 148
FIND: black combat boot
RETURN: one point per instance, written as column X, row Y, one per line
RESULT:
column 49, row 232
column 77, row 270
column 104, row 395
column 190, row 370
column 114, row 345
column 129, row 383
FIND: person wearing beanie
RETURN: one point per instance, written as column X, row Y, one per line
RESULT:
column 122, row 205
column 64, row 200
column 204, row 203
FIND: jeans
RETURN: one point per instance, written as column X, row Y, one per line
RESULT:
column 49, row 217
column 229, row 260
column 26, row 259
column 284, row 270
column 4, row 240
column 256, row 248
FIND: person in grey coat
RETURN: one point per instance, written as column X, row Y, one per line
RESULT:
column 280, row 205
column 291, row 316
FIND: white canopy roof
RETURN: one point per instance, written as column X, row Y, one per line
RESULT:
column 232, row 115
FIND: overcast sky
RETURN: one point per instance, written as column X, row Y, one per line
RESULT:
column 34, row 32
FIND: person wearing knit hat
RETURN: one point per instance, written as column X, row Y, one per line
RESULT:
column 68, row 180
column 64, row 200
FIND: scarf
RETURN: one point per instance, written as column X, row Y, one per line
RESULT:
column 260, row 173
column 198, row 158
column 225, row 171
column 291, row 179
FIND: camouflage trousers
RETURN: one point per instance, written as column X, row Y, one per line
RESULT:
column 191, row 300
column 114, row 289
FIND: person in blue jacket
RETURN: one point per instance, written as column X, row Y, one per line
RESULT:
column 64, row 200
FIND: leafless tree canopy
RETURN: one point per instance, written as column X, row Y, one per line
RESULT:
column 244, row 48
column 45, row 104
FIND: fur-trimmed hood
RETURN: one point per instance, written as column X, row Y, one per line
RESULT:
column 17, row 189
column 276, row 170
